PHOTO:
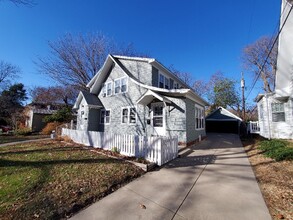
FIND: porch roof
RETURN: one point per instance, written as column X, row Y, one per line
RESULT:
column 91, row 100
column 149, row 96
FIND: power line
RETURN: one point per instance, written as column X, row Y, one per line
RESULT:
column 258, row 75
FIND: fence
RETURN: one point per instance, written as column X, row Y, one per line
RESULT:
column 159, row 150
column 253, row 127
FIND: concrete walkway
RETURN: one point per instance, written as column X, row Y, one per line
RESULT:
column 213, row 180
column 23, row 142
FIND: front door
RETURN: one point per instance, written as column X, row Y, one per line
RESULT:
column 158, row 118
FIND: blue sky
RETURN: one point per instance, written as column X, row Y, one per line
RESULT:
column 200, row 37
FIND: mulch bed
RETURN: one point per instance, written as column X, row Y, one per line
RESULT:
column 275, row 180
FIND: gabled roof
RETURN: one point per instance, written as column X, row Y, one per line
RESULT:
column 90, row 99
column 222, row 114
column 95, row 84
column 149, row 96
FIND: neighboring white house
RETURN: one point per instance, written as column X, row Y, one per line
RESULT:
column 275, row 110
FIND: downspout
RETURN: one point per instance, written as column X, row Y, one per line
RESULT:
column 268, row 116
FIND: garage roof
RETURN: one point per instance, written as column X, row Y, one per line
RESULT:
column 222, row 114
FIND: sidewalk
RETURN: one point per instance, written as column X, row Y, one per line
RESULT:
column 213, row 181
column 23, row 142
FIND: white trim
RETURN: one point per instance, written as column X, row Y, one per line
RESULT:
column 151, row 93
column 198, row 108
column 159, row 130
column 95, row 86
column 120, row 80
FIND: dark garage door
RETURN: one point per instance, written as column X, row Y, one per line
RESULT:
column 222, row 126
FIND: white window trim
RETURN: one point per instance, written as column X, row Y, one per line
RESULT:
column 104, row 110
column 164, row 82
column 203, row 117
column 120, row 79
column 105, row 89
column 272, row 112
column 128, row 115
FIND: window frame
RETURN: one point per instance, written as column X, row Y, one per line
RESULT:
column 129, row 108
column 116, row 81
column 278, row 111
column 165, row 82
column 199, row 117
column 103, row 115
column 121, row 85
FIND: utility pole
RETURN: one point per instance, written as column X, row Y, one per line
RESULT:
column 243, row 98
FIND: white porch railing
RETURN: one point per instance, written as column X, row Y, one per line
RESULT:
column 253, row 127
column 159, row 150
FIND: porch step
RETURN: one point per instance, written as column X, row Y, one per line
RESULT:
column 183, row 152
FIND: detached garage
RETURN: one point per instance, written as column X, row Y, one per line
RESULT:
column 223, row 121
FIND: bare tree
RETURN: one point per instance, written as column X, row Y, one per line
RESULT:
column 54, row 94
column 201, row 87
column 74, row 60
column 254, row 56
column 7, row 71
column 184, row 76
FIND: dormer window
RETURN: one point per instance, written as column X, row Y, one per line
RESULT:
column 167, row 81
column 161, row 81
column 171, row 83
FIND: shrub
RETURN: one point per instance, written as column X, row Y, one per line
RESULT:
column 23, row 131
column 50, row 127
column 277, row 149
column 62, row 115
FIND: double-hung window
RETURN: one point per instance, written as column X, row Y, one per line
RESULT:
column 124, row 84
column 117, row 84
column 161, row 81
column 105, row 116
column 167, row 80
column 278, row 113
column 124, row 115
column 120, row 85
column 107, row 89
column 199, row 118
column 128, row 115
column 104, row 90
column 171, row 84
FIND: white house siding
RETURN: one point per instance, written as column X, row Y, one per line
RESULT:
column 82, row 119
column 192, row 133
column 139, row 69
column 270, row 129
column 176, row 119
column 284, row 73
column 116, row 102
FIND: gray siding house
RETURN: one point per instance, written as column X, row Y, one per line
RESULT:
column 139, row 96
column 275, row 110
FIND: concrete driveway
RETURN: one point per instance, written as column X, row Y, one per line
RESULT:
column 213, row 180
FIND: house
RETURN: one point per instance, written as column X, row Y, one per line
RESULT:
column 35, row 113
column 223, row 121
column 139, row 96
column 275, row 110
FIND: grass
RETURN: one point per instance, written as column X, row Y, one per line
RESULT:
column 277, row 149
column 51, row 180
column 5, row 138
